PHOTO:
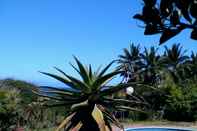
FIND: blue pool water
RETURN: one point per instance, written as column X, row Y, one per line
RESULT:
column 157, row 129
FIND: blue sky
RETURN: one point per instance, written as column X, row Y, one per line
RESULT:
column 36, row 35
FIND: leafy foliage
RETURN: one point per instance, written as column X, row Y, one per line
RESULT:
column 14, row 96
column 169, row 17
column 181, row 102
column 87, row 98
column 19, row 107
column 10, row 110
column 172, row 78
column 23, row 88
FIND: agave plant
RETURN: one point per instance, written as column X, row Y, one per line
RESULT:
column 89, row 98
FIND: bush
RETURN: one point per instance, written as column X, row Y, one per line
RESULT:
column 181, row 103
column 10, row 111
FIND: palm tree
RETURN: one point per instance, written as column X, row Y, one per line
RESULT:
column 151, row 65
column 192, row 65
column 174, row 56
column 87, row 98
column 148, row 68
column 151, row 74
column 188, row 70
column 130, row 62
column 174, row 59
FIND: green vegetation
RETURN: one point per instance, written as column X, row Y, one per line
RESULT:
column 9, row 108
column 19, row 107
column 165, row 84
column 88, row 99
column 172, row 78
column 164, row 89
column 13, row 99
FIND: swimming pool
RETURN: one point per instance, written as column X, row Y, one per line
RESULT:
column 158, row 129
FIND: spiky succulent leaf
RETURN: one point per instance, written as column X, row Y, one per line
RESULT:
column 64, row 122
column 126, row 108
column 124, row 102
column 83, row 73
column 82, row 85
column 76, row 81
column 80, row 106
column 98, row 116
column 60, row 89
column 109, row 117
column 85, row 97
column 99, row 83
column 61, row 71
column 44, row 95
column 112, row 89
column 90, row 73
column 63, row 80
column 105, row 69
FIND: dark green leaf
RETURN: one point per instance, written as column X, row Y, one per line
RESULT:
column 123, row 101
column 139, row 17
column 112, row 89
column 126, row 108
column 150, row 3
column 60, row 70
column 174, row 18
column 90, row 72
column 105, row 69
column 63, row 80
column 47, row 96
column 59, row 89
column 169, row 33
column 194, row 34
column 193, row 10
column 183, row 5
column 151, row 30
column 101, row 80
column 79, row 84
column 65, row 95
column 83, row 73
column 166, row 7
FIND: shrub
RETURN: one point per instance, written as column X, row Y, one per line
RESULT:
column 181, row 103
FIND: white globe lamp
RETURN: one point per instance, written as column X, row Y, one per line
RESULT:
column 130, row 90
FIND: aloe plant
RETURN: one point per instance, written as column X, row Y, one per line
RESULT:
column 89, row 100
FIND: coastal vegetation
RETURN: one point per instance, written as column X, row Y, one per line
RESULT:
column 164, row 85
column 171, row 76
column 152, row 85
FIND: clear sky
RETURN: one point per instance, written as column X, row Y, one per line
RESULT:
column 36, row 35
